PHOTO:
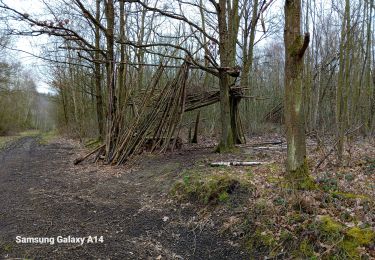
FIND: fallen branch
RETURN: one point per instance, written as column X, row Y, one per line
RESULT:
column 215, row 164
column 270, row 147
column 81, row 159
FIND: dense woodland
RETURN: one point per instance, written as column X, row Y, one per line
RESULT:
column 128, row 71
column 22, row 107
column 151, row 75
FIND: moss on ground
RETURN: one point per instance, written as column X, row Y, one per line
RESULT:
column 209, row 187
column 325, row 238
column 345, row 241
column 354, row 238
column 300, row 178
column 260, row 241
column 348, row 195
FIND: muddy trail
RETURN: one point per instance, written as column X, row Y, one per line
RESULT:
column 44, row 195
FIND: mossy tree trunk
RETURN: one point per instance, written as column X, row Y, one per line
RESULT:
column 295, row 47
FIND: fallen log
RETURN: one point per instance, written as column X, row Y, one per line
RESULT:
column 81, row 159
column 234, row 163
column 268, row 143
column 270, row 147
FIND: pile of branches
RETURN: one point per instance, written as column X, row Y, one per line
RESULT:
column 157, row 122
column 202, row 99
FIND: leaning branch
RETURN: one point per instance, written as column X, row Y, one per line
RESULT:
column 81, row 159
column 305, row 44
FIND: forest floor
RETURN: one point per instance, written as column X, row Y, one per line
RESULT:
column 177, row 206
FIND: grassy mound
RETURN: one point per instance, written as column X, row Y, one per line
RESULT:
column 210, row 187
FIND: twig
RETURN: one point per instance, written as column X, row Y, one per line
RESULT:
column 348, row 132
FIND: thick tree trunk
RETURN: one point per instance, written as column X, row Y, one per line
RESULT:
column 225, row 50
column 110, row 126
column 228, row 20
column 295, row 46
column 226, row 142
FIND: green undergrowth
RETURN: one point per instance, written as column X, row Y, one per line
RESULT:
column 47, row 137
column 6, row 140
column 290, row 226
column 212, row 185
column 277, row 220
column 323, row 238
column 345, row 241
column 370, row 166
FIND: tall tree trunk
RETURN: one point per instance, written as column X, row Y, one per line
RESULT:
column 141, row 52
column 295, row 47
column 228, row 20
column 368, row 62
column 110, row 62
column 121, row 71
column 249, row 49
column 226, row 142
column 342, row 83
column 98, row 76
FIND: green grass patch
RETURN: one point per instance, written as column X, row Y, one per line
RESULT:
column 6, row 140
column 47, row 137
column 29, row 133
column 348, row 195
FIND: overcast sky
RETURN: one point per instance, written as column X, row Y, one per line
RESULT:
column 30, row 44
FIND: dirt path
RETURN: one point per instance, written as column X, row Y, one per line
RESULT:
column 44, row 195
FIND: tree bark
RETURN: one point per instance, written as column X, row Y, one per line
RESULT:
column 342, row 83
column 225, row 51
column 295, row 46
column 98, row 76
column 110, row 126
column 121, row 71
